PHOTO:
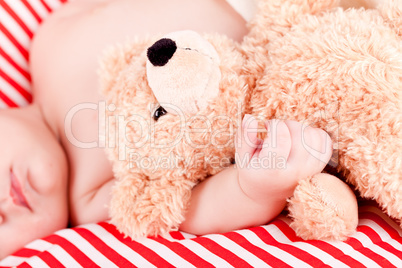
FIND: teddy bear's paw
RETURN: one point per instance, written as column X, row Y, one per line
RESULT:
column 323, row 207
column 149, row 220
column 141, row 207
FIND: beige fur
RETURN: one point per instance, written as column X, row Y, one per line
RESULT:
column 302, row 60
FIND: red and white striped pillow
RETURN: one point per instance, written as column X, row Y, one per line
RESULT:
column 19, row 20
column 377, row 242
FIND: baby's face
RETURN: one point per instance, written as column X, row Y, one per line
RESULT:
column 33, row 180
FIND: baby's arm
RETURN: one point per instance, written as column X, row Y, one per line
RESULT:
column 255, row 190
column 250, row 193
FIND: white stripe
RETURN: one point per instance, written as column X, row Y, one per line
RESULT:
column 246, row 8
column 3, row 105
column 14, row 28
column 12, row 93
column 85, row 247
column 366, row 241
column 122, row 249
column 188, row 236
column 326, row 258
column 274, row 251
column 13, row 73
column 35, row 261
column 164, row 252
column 39, row 244
column 382, row 233
column 39, row 8
column 12, row 261
column 242, row 253
column 205, row 254
column 63, row 257
column 12, row 51
column 24, row 14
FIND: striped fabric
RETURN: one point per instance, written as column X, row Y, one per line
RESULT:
column 18, row 21
column 377, row 242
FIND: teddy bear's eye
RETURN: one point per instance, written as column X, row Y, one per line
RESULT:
column 159, row 112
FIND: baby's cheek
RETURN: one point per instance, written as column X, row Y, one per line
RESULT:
column 49, row 171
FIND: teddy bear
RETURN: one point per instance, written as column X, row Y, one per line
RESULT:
column 174, row 103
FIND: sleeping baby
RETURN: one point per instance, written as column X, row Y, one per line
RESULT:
column 54, row 172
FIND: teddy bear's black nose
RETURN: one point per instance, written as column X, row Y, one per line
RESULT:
column 161, row 52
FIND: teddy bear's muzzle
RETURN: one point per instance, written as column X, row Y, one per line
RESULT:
column 183, row 71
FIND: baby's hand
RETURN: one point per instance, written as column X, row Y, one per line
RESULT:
column 291, row 151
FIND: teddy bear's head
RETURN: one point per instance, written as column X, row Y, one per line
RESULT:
column 174, row 103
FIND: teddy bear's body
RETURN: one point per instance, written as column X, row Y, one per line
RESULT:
column 337, row 70
column 342, row 71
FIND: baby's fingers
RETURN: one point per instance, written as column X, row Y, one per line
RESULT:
column 278, row 143
column 247, row 142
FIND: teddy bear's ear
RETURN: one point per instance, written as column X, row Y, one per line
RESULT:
column 117, row 58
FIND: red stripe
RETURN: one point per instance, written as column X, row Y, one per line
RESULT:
column 220, row 251
column 19, row 88
column 145, row 252
column 33, row 12
column 26, row 253
column 50, row 259
column 103, row 248
column 255, row 250
column 71, row 249
column 177, row 235
column 302, row 255
column 46, row 6
column 378, row 241
column 17, row 18
column 19, row 47
column 358, row 246
column 322, row 245
column 7, row 100
column 24, row 265
column 383, row 224
column 15, row 65
column 183, row 252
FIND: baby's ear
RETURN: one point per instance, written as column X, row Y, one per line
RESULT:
column 116, row 59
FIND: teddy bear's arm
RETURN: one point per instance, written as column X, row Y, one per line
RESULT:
column 323, row 207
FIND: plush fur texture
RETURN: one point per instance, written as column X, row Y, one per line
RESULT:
column 302, row 60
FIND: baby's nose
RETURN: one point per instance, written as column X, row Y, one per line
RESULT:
column 161, row 51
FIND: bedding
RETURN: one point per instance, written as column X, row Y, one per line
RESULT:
column 377, row 242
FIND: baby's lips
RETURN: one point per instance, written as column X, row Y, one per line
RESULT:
column 16, row 192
